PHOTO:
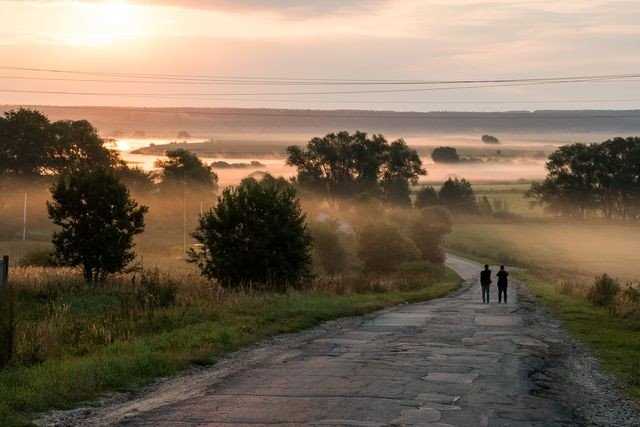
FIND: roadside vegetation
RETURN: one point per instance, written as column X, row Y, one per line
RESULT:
column 104, row 294
column 580, row 257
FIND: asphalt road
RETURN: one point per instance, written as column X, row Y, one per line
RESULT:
column 448, row 362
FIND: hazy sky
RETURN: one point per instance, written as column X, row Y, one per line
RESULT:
column 341, row 39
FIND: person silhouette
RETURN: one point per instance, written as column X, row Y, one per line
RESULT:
column 485, row 282
column 503, row 282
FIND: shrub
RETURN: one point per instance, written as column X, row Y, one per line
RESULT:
column 328, row 248
column 628, row 302
column 38, row 258
column 427, row 197
column 382, row 248
column 490, row 139
column 445, row 155
column 256, row 234
column 457, row 195
column 427, row 229
column 604, row 291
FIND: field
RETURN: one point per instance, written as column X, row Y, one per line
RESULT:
column 561, row 259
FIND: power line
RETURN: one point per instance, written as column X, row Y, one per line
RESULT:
column 317, row 81
column 352, row 114
column 341, row 92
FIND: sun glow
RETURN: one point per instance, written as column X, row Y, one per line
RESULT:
column 104, row 23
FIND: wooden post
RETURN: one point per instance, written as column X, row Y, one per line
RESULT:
column 4, row 272
column 7, row 319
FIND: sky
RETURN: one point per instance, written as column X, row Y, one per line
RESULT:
column 104, row 47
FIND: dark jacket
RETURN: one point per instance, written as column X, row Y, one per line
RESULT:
column 485, row 277
column 502, row 278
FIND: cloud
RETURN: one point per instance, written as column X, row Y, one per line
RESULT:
column 293, row 7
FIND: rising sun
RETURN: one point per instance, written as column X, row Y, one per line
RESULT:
column 103, row 23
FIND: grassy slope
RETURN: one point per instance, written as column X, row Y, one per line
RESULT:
column 544, row 250
column 615, row 341
column 66, row 381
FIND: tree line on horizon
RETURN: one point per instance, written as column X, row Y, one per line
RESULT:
column 593, row 179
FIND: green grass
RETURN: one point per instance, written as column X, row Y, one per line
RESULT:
column 553, row 252
column 615, row 341
column 171, row 340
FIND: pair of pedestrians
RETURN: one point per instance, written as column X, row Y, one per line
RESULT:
column 485, row 282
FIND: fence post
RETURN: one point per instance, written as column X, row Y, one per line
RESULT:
column 7, row 320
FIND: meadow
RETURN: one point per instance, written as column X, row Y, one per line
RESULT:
column 561, row 260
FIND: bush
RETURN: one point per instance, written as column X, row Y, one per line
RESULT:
column 490, row 139
column 38, row 258
column 604, row 291
column 628, row 302
column 457, row 195
column 427, row 229
column 328, row 249
column 256, row 234
column 382, row 248
column 445, row 155
column 427, row 197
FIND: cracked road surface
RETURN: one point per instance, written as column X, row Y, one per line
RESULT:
column 448, row 362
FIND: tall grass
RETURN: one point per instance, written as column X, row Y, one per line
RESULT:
column 75, row 342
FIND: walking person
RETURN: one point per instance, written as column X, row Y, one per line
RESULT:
column 485, row 282
column 503, row 282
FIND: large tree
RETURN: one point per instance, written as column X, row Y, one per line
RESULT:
column 183, row 167
column 77, row 145
column 25, row 143
column 30, row 145
column 599, row 178
column 344, row 165
column 255, row 235
column 98, row 221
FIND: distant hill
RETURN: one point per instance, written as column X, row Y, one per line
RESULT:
column 267, row 123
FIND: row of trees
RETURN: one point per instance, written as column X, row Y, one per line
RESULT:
column 601, row 178
column 32, row 146
column 347, row 165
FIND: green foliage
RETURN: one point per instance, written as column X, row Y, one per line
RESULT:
column 457, row 195
column 31, row 145
column 25, row 140
column 445, row 155
column 328, row 247
column 86, row 342
column 185, row 168
column 347, row 165
column 427, row 197
column 604, row 291
column 427, row 229
column 382, row 247
column 256, row 234
column 593, row 178
column 98, row 220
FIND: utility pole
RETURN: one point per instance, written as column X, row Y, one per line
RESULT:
column 24, row 219
column 184, row 216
